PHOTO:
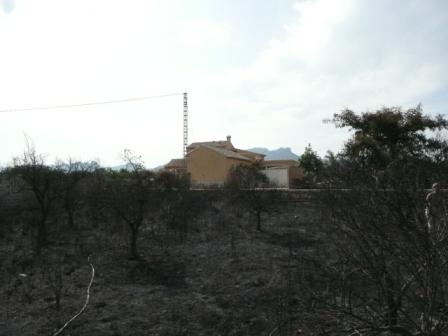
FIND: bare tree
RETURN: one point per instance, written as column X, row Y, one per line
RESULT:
column 179, row 204
column 131, row 195
column 70, row 190
column 389, row 274
column 246, row 188
column 38, row 184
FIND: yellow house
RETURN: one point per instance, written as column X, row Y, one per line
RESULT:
column 208, row 163
column 176, row 166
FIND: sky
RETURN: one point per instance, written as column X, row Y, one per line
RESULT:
column 265, row 72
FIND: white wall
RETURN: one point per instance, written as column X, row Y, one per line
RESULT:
column 277, row 176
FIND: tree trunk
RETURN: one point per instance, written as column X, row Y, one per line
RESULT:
column 70, row 218
column 258, row 214
column 134, row 236
column 41, row 240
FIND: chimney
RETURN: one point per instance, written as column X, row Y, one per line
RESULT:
column 229, row 138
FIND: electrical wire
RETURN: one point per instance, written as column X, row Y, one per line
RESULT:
column 117, row 101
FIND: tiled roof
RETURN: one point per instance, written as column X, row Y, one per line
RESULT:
column 219, row 144
column 242, row 151
column 228, row 153
column 225, row 148
column 176, row 163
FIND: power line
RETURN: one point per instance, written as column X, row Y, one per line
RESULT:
column 117, row 101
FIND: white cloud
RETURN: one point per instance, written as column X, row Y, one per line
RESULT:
column 336, row 54
column 332, row 54
column 8, row 5
column 199, row 33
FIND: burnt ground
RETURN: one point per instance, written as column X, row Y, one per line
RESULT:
column 222, row 278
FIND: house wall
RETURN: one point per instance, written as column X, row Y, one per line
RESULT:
column 278, row 176
column 208, row 167
column 282, row 173
column 295, row 173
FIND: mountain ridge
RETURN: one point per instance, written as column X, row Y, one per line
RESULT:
column 282, row 153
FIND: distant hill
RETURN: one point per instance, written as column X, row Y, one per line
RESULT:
column 282, row 153
column 128, row 167
column 157, row 168
column 120, row 167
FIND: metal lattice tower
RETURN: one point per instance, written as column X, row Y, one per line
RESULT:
column 185, row 124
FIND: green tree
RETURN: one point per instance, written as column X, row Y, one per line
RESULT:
column 388, row 275
column 309, row 161
column 390, row 141
column 312, row 166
